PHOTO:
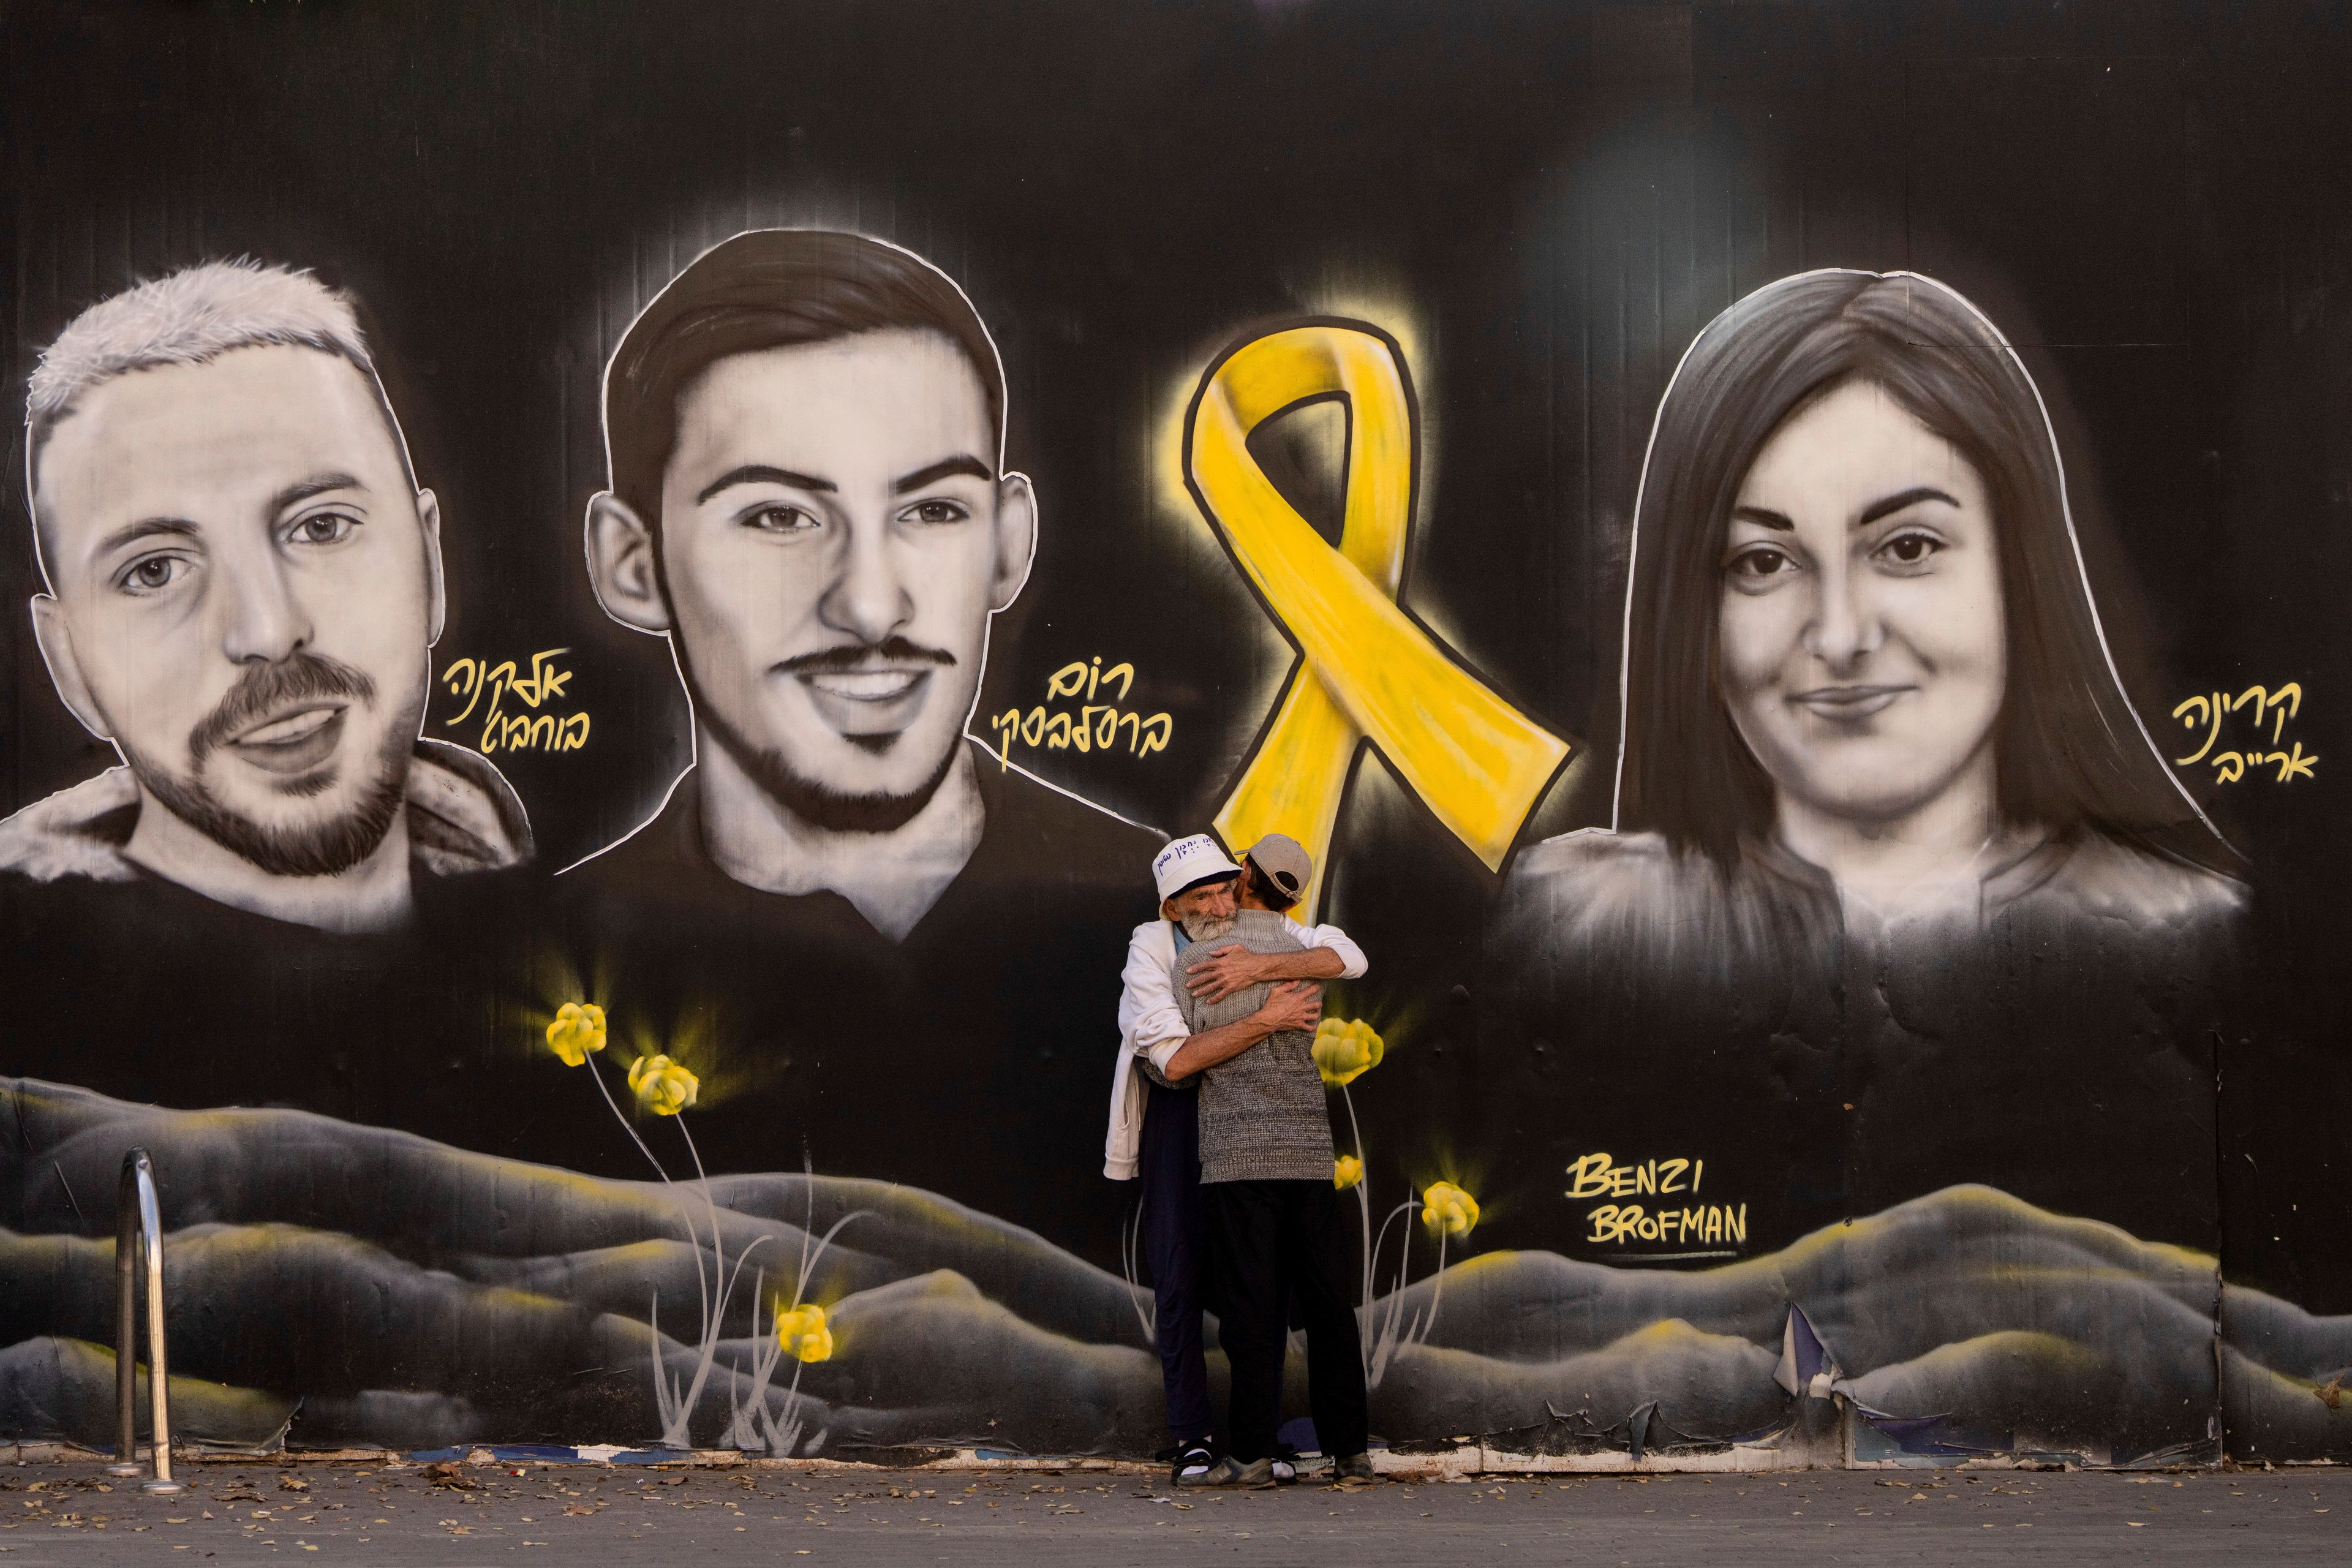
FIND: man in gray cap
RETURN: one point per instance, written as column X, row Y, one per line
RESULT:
column 1154, row 1128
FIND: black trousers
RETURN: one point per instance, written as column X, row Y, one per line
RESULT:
column 1174, row 1222
column 1268, row 1238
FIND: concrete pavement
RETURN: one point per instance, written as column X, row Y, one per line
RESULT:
column 473, row 1515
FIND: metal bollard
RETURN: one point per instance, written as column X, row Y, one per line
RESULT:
column 139, row 1233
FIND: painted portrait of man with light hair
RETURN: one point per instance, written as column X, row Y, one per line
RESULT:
column 243, row 587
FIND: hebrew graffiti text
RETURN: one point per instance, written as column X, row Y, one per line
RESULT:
column 2207, row 710
column 1095, row 727
column 474, row 679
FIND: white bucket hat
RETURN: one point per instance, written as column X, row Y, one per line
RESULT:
column 1189, row 860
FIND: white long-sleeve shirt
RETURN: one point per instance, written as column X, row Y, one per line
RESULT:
column 1151, row 1025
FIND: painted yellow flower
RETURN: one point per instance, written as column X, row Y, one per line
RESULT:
column 1346, row 1050
column 662, row 1086
column 1447, row 1210
column 803, row 1333
column 578, row 1031
column 1346, row 1172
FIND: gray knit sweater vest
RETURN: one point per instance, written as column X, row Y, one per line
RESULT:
column 1264, row 1116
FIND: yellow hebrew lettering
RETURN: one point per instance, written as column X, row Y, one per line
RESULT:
column 1007, row 726
column 486, row 687
column 2229, row 768
column 502, row 677
column 1122, row 673
column 2286, row 704
column 464, row 678
column 1067, row 680
column 543, row 684
column 2294, row 764
column 2282, row 704
column 1155, row 741
column 2204, row 710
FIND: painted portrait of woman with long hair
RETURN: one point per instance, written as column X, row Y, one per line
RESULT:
column 1861, row 653
column 1875, row 749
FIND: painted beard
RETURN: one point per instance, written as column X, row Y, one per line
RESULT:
column 1210, row 928
column 322, row 848
column 818, row 804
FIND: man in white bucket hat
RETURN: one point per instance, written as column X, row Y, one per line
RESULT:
column 1154, row 1129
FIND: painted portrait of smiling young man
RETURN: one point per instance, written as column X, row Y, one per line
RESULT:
column 810, row 503
column 244, row 587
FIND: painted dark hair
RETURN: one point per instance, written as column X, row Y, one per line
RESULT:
column 2070, row 751
column 774, row 288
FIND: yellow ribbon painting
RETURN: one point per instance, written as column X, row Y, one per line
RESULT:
column 1370, row 669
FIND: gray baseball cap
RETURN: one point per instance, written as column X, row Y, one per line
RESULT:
column 1285, row 862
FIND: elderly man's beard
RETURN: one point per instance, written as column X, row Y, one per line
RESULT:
column 1210, row 928
column 323, row 848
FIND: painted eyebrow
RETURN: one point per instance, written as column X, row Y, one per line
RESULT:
column 1900, row 500
column 1885, row 506
column 961, row 463
column 762, row 473
column 147, row 527
column 316, row 485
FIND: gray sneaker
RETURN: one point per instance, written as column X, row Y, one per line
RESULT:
column 1256, row 1476
column 1354, row 1467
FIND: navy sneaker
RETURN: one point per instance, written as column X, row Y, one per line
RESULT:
column 1192, row 1462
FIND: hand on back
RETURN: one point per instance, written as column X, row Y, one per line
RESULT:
column 1229, row 969
column 1296, row 1005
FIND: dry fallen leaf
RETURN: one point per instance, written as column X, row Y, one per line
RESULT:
column 448, row 1473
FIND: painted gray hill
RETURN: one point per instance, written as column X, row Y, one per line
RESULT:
column 374, row 1286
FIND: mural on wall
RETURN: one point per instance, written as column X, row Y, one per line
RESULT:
column 1889, row 829
column 605, row 900
column 243, row 584
column 1370, row 672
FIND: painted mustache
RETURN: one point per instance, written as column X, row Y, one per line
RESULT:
column 265, row 688
column 863, row 656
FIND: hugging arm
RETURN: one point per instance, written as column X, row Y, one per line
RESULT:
column 1296, row 1006
column 1236, row 968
